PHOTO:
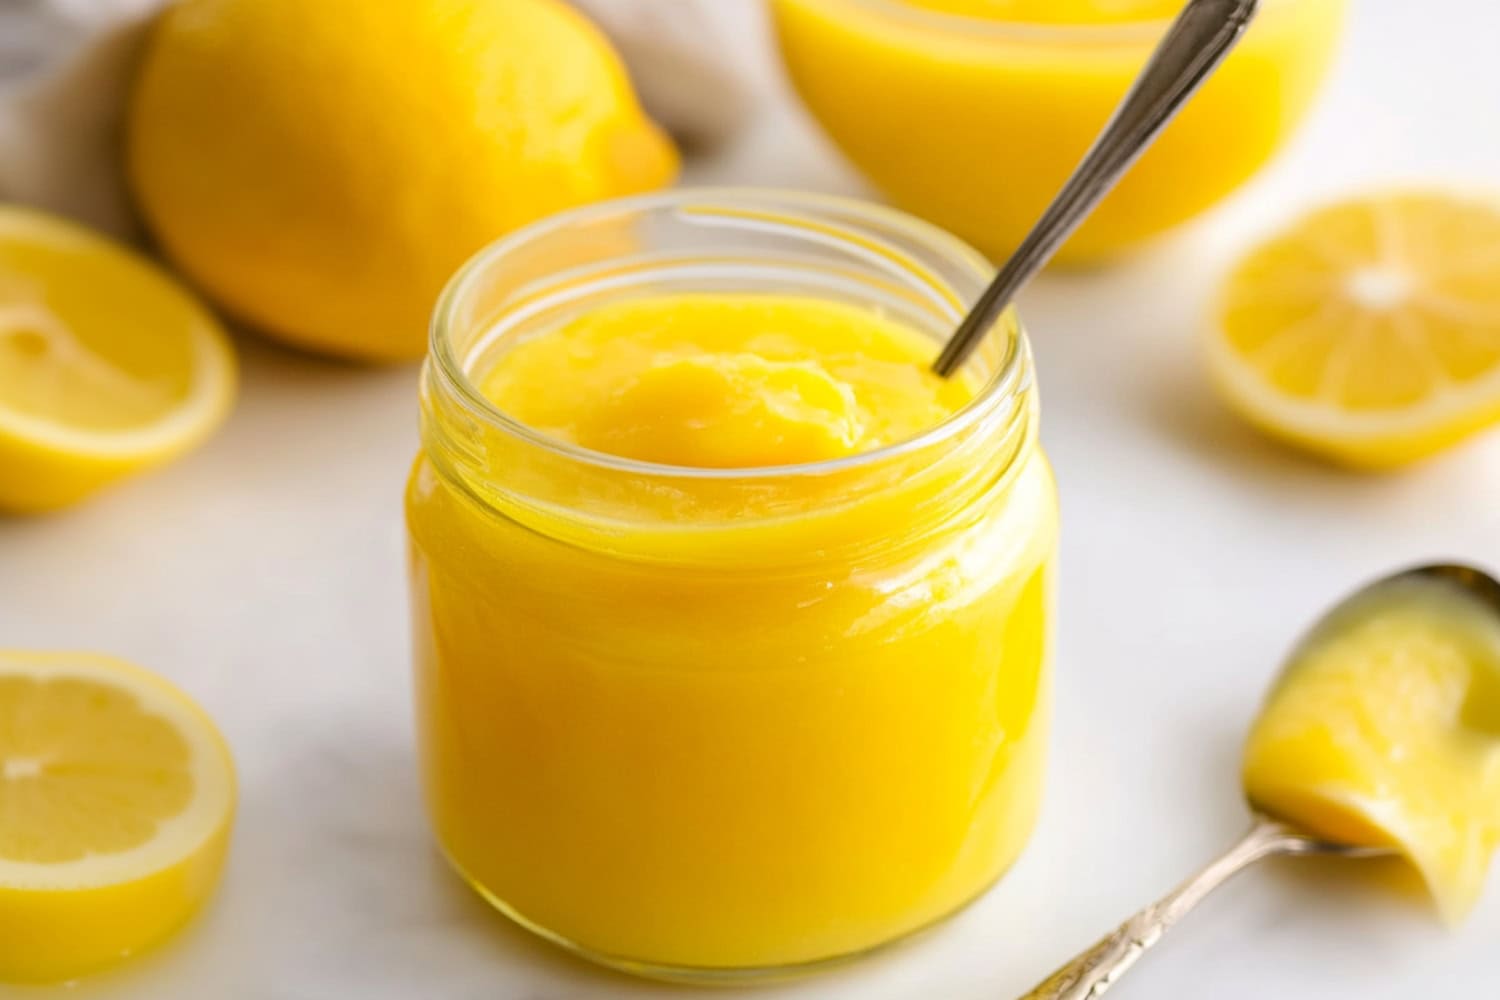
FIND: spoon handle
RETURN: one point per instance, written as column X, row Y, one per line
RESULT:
column 1194, row 46
column 1096, row 970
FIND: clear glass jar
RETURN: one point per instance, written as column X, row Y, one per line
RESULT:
column 981, row 120
column 711, row 724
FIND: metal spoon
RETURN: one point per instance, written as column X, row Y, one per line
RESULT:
column 1194, row 46
column 1097, row 969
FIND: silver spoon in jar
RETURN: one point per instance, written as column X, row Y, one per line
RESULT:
column 1100, row 967
column 1194, row 46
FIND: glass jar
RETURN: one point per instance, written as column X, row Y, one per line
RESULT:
column 710, row 724
column 981, row 120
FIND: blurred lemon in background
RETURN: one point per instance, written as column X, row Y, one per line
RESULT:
column 321, row 168
column 1369, row 331
column 107, row 365
column 116, row 798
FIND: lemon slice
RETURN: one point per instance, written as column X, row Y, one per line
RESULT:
column 116, row 796
column 107, row 365
column 1370, row 330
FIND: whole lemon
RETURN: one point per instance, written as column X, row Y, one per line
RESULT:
column 320, row 167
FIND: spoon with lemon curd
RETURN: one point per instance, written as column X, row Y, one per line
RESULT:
column 1381, row 737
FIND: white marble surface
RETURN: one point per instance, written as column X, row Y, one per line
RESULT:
column 265, row 575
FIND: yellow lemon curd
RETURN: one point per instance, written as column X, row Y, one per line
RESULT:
column 986, row 106
column 738, row 660
column 1385, row 731
column 727, row 381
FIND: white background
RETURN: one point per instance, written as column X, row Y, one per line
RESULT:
column 265, row 574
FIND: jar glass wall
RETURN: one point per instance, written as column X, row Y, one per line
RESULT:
column 719, row 723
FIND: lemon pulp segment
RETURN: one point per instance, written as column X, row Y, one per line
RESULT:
column 107, row 365
column 1368, row 331
column 116, row 795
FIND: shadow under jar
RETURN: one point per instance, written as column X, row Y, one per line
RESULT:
column 715, row 724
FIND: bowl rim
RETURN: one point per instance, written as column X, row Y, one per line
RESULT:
column 978, row 28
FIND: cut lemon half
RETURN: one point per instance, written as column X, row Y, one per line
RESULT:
column 107, row 365
column 1370, row 330
column 116, row 797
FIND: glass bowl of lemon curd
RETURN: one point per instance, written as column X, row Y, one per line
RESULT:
column 731, row 618
column 972, row 113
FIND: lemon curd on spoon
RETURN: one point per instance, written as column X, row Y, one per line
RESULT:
column 731, row 616
column 1385, row 732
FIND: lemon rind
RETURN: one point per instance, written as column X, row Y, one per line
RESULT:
column 205, row 407
column 213, row 372
column 1452, row 411
column 179, row 838
column 1474, row 402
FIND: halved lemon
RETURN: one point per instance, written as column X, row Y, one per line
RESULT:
column 116, row 798
column 107, row 365
column 1369, row 331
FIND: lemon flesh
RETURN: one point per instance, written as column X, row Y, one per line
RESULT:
column 116, row 798
column 321, row 169
column 107, row 366
column 1368, row 332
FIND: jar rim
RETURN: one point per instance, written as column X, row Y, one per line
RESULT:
column 1144, row 30
column 1010, row 377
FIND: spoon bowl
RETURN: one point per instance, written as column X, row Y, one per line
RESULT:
column 1095, row 970
column 1292, row 841
column 1473, row 581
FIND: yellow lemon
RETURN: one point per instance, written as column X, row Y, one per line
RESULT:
column 116, row 798
column 322, row 168
column 107, row 366
column 1369, row 331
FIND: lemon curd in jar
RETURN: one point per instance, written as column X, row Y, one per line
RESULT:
column 731, row 618
column 986, row 106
